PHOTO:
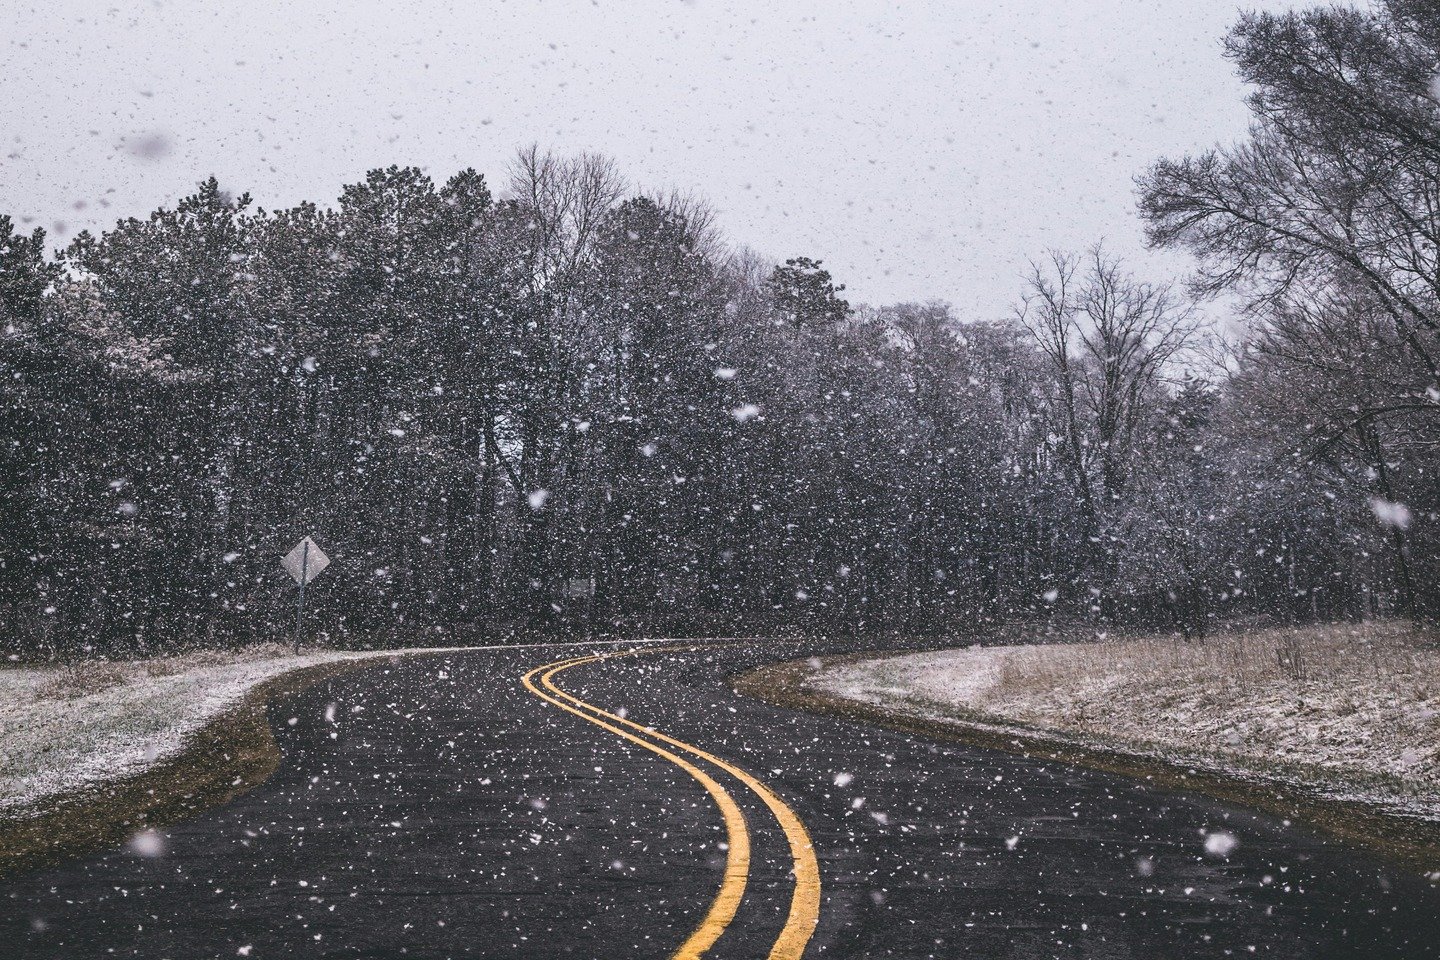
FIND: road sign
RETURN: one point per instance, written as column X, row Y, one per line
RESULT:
column 305, row 562
column 580, row 587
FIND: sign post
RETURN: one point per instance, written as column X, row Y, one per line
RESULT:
column 583, row 588
column 304, row 562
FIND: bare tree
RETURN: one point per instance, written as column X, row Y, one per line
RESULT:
column 1111, row 341
column 1327, row 221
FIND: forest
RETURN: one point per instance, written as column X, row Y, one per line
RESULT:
column 552, row 403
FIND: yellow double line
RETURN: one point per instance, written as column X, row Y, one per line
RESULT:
column 804, row 903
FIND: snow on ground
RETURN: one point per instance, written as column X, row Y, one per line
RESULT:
column 1352, row 712
column 63, row 728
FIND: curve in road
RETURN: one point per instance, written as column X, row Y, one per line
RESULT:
column 804, row 912
column 434, row 808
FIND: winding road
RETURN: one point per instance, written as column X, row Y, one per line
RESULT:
column 562, row 802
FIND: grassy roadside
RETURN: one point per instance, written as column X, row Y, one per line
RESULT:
column 1412, row 843
column 229, row 755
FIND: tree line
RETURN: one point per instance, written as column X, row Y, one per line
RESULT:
column 574, row 407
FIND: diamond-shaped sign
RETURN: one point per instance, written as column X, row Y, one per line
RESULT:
column 305, row 562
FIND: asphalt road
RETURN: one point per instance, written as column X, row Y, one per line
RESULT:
column 443, row 807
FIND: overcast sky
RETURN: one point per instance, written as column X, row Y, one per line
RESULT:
column 922, row 149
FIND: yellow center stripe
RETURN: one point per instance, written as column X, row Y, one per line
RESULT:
column 805, row 902
column 737, row 861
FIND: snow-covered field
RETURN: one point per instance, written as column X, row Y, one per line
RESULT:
column 66, row 728
column 1350, row 712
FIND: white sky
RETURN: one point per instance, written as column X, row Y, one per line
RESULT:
column 921, row 149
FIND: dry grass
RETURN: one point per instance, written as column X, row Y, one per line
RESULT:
column 83, row 678
column 1356, row 699
column 1354, row 708
column 1404, row 657
column 76, row 680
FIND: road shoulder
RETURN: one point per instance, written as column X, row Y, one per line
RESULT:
column 1412, row 842
column 228, row 754
column 155, row 752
